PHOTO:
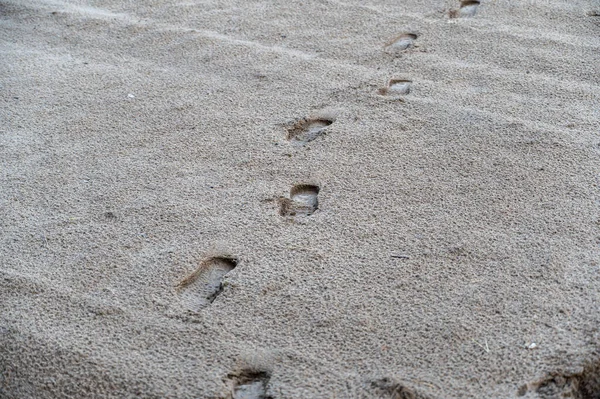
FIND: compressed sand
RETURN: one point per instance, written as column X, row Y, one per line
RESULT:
column 455, row 249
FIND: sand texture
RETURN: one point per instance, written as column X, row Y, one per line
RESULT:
column 299, row 199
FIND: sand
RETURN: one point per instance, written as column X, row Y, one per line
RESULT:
column 299, row 199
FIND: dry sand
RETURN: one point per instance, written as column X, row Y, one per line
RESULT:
column 444, row 241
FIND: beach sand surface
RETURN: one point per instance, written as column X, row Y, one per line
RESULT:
column 299, row 199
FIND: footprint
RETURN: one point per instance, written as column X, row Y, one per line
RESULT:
column 396, row 87
column 200, row 288
column 402, row 42
column 250, row 385
column 468, row 8
column 303, row 201
column 387, row 387
column 307, row 130
column 583, row 383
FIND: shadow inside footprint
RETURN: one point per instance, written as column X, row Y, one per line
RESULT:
column 396, row 87
column 307, row 130
column 303, row 201
column 468, row 8
column 200, row 288
column 583, row 384
column 250, row 385
column 388, row 388
column 402, row 42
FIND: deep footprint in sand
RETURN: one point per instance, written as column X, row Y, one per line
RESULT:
column 396, row 87
column 307, row 130
column 200, row 288
column 583, row 383
column 402, row 42
column 250, row 385
column 303, row 201
column 468, row 8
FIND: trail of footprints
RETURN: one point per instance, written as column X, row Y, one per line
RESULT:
column 200, row 288
column 397, row 87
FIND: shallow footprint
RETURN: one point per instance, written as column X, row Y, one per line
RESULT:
column 303, row 201
column 200, row 288
column 402, row 42
column 396, row 87
column 307, row 130
column 250, row 385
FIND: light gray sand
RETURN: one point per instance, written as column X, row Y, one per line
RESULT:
column 455, row 249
